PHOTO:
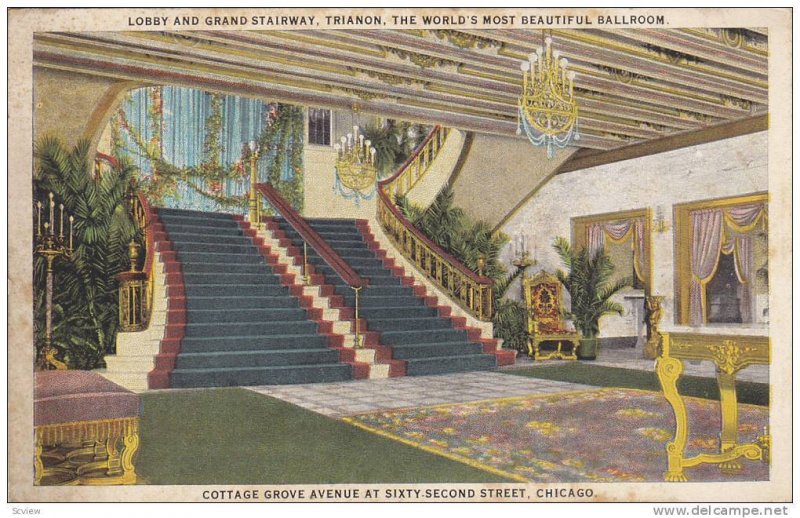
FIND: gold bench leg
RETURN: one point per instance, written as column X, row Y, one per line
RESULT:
column 669, row 370
column 38, row 465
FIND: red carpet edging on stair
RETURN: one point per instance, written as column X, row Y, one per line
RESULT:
column 335, row 340
column 159, row 377
column 503, row 356
column 370, row 339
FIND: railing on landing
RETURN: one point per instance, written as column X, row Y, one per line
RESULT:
column 312, row 238
column 135, row 285
column 472, row 291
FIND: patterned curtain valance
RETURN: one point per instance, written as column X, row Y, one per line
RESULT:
column 716, row 231
column 619, row 231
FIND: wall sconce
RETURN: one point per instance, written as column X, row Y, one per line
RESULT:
column 660, row 224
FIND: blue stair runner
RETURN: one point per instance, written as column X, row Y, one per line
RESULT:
column 243, row 327
column 415, row 332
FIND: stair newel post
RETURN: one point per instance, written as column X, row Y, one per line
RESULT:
column 306, row 277
column 254, row 206
column 357, row 344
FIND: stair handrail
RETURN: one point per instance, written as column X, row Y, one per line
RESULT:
column 312, row 237
column 473, row 291
column 135, row 286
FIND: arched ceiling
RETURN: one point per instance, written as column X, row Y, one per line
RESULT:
column 633, row 85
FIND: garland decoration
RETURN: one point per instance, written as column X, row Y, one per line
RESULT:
column 281, row 139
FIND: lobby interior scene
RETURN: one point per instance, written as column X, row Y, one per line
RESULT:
column 401, row 256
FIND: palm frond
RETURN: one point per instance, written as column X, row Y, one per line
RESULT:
column 587, row 281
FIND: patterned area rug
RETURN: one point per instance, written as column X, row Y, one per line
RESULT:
column 605, row 435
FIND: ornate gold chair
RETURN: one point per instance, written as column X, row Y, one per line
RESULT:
column 545, row 319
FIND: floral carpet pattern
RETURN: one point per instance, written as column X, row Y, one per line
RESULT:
column 605, row 435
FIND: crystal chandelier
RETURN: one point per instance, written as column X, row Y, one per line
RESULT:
column 548, row 111
column 355, row 166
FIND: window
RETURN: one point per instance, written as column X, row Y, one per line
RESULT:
column 625, row 237
column 721, row 251
column 319, row 126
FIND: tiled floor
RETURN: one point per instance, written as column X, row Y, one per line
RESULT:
column 632, row 359
column 356, row 397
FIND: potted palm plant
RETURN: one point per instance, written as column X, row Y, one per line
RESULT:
column 588, row 282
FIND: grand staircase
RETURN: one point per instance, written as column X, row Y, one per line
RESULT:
column 427, row 342
column 243, row 325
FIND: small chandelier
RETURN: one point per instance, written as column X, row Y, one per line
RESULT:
column 355, row 167
column 548, row 111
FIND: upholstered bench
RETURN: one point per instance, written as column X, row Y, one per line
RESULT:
column 86, row 428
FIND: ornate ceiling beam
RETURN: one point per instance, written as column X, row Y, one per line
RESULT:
column 398, row 88
column 673, row 69
column 696, row 44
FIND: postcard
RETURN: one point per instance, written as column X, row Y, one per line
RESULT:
column 400, row 255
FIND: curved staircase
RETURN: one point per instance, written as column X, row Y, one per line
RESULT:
column 243, row 324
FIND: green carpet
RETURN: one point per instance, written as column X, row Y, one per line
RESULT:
column 234, row 436
column 601, row 376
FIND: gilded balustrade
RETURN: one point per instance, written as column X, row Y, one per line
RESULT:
column 419, row 164
column 472, row 291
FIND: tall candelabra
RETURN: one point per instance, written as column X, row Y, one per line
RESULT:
column 51, row 246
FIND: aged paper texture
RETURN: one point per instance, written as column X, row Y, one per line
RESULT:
column 678, row 167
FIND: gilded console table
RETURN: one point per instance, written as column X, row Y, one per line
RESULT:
column 730, row 354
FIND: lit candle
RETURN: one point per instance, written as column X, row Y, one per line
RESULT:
column 52, row 206
column 349, row 141
column 539, row 62
column 39, row 218
column 70, row 231
column 61, row 221
column 372, row 155
column 524, row 248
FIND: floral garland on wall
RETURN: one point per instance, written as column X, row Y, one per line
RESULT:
column 281, row 139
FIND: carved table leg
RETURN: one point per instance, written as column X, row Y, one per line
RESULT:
column 730, row 419
column 669, row 370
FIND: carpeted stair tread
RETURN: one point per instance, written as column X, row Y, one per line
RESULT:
column 279, row 375
column 250, row 328
column 448, row 364
column 195, row 344
column 241, row 302
column 262, row 269
column 246, row 314
column 241, row 325
column 209, row 238
column 239, row 359
column 435, row 350
column 215, row 257
column 207, row 290
column 189, row 213
column 224, row 277
column 403, row 324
